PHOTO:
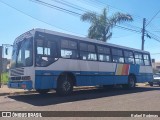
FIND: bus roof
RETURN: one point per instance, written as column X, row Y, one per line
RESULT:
column 84, row 39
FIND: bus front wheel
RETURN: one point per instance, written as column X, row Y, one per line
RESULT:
column 64, row 86
column 131, row 82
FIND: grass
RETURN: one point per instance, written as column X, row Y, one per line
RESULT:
column 4, row 78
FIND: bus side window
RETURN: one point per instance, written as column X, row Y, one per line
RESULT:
column 129, row 58
column 117, row 55
column 146, row 59
column 46, row 52
column 138, row 58
column 69, row 49
column 104, row 53
column 88, row 52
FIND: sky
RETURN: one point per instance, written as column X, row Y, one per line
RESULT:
column 19, row 16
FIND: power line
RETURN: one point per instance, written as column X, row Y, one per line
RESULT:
column 132, row 26
column 153, row 17
column 125, row 28
column 69, row 5
column 139, row 17
column 56, row 7
column 35, row 17
column 63, row 10
column 79, row 7
column 63, row 3
column 153, row 36
column 111, row 7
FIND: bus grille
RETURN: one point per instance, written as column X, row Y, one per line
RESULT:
column 17, row 72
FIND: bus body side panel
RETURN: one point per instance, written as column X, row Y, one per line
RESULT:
column 96, row 73
column 46, row 77
column 106, row 73
column 134, row 69
column 121, row 73
column 149, row 73
column 88, row 73
column 145, row 74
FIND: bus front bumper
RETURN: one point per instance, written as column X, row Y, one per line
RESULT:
column 27, row 85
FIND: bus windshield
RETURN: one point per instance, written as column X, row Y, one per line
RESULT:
column 22, row 55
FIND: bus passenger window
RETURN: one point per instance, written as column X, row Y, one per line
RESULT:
column 68, row 53
column 118, row 59
column 117, row 55
column 138, row 58
column 146, row 59
column 88, row 52
column 129, row 58
column 104, row 53
column 105, row 58
column 69, row 49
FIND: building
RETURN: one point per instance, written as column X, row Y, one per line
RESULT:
column 156, row 66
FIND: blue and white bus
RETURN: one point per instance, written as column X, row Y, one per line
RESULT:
column 43, row 60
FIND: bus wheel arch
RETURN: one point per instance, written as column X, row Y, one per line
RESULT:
column 65, row 83
column 131, row 82
column 132, row 74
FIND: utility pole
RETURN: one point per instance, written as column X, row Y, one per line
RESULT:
column 0, row 65
column 143, row 32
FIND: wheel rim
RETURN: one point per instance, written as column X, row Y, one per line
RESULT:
column 66, row 86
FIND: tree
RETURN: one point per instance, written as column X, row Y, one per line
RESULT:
column 101, row 25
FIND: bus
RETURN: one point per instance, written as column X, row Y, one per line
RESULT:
column 46, row 60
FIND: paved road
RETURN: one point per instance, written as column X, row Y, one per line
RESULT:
column 142, row 98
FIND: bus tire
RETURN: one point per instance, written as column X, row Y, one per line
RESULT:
column 43, row 91
column 64, row 86
column 131, row 83
column 151, row 84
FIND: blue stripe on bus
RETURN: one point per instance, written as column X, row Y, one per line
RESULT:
column 46, row 79
column 134, row 69
column 21, row 84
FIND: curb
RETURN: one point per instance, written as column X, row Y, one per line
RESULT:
column 33, row 91
column 17, row 93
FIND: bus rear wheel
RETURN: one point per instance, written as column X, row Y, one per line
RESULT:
column 43, row 91
column 131, row 82
column 64, row 86
column 151, row 84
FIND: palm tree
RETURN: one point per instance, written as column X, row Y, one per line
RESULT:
column 101, row 25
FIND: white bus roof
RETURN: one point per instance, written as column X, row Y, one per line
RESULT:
column 83, row 39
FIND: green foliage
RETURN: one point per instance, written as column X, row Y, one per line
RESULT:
column 101, row 25
column 4, row 78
